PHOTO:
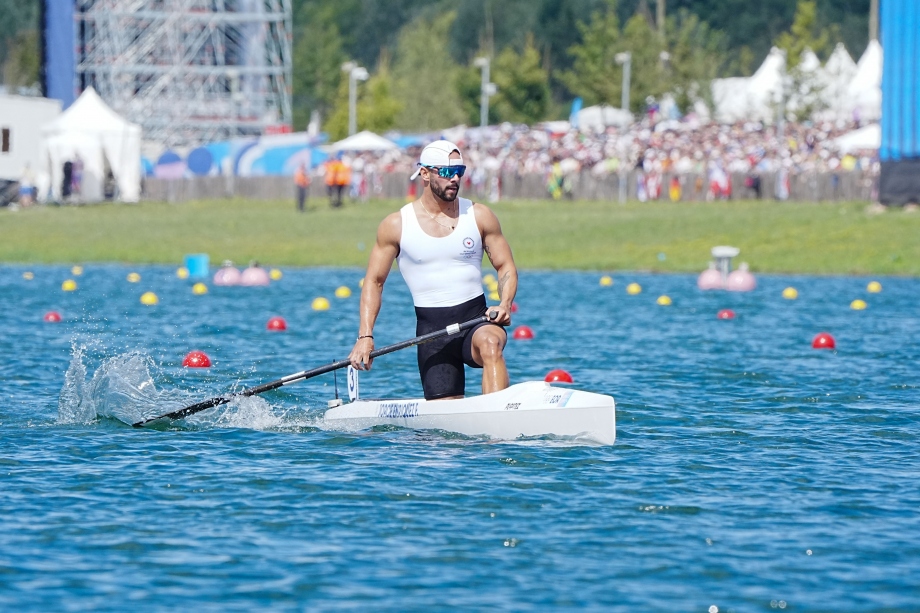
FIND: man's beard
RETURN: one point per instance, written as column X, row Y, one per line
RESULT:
column 443, row 194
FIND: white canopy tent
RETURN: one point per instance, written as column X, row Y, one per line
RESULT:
column 868, row 137
column 865, row 90
column 98, row 135
column 596, row 118
column 364, row 141
column 836, row 76
column 754, row 97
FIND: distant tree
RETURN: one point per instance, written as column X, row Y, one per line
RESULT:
column 317, row 57
column 426, row 76
column 648, row 76
column 378, row 108
column 23, row 61
column 595, row 75
column 802, row 88
column 17, row 17
column 696, row 53
column 523, row 86
column 804, row 34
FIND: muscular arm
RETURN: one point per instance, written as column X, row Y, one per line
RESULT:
column 499, row 251
column 384, row 252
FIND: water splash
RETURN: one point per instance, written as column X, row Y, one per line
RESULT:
column 121, row 388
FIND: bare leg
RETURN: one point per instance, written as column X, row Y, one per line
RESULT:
column 487, row 347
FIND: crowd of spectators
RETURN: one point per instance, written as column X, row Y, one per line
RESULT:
column 711, row 152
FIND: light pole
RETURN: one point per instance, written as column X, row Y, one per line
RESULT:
column 355, row 73
column 487, row 89
column 625, row 59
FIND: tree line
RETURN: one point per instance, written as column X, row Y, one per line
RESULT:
column 543, row 53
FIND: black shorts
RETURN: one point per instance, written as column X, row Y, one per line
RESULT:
column 440, row 362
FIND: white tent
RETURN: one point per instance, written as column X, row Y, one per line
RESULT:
column 98, row 135
column 753, row 97
column 597, row 118
column 869, row 137
column 835, row 79
column 865, row 90
column 364, row 141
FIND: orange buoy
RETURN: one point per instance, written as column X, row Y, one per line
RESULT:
column 558, row 376
column 726, row 314
column 197, row 359
column 276, row 323
column 823, row 340
column 52, row 317
column 523, row 333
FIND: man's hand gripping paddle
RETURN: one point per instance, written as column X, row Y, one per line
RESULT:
column 307, row 374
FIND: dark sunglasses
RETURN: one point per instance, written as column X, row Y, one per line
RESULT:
column 447, row 172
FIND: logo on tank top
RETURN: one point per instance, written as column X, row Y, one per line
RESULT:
column 468, row 253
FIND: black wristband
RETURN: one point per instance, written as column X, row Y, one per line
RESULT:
column 370, row 336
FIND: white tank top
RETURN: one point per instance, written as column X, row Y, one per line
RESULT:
column 441, row 271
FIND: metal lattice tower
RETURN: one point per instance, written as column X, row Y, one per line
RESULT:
column 189, row 71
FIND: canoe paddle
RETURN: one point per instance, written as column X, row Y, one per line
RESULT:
column 307, row 374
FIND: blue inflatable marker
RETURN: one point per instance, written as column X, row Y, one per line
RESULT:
column 197, row 265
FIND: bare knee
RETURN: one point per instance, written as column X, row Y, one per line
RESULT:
column 490, row 348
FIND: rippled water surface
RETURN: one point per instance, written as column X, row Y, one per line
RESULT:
column 750, row 473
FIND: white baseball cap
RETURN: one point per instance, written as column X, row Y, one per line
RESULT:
column 437, row 154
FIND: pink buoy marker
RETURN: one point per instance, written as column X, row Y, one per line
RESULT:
column 276, row 324
column 558, row 376
column 725, row 314
column 196, row 359
column 52, row 317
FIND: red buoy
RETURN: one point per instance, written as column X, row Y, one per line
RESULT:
column 823, row 340
column 726, row 314
column 514, row 307
column 52, row 317
column 522, row 333
column 558, row 376
column 197, row 359
column 276, row 323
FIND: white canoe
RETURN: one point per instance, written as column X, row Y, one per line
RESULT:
column 533, row 408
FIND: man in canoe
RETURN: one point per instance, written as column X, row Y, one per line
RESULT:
column 438, row 242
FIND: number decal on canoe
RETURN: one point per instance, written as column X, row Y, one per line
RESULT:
column 557, row 397
column 397, row 409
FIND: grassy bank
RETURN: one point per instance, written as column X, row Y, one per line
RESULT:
column 838, row 238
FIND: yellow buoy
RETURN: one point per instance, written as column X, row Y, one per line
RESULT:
column 664, row 301
column 69, row 285
column 858, row 305
column 874, row 287
column 494, row 296
column 199, row 289
column 490, row 278
column 182, row 272
column 790, row 293
column 342, row 292
column 149, row 298
column 275, row 275
column 76, row 270
column 133, row 277
column 492, row 287
column 320, row 304
column 28, row 276
column 633, row 288
column 361, row 282
column 606, row 281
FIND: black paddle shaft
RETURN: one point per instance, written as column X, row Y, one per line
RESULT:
column 307, row 374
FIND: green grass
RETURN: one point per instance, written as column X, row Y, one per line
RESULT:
column 830, row 238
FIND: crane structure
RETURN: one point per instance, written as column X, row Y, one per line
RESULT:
column 189, row 71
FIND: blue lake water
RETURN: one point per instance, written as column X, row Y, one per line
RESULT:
column 750, row 473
